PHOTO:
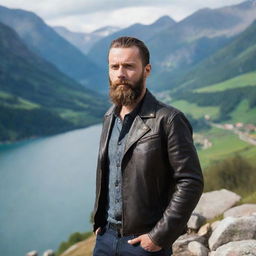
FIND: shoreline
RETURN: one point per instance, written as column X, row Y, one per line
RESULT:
column 32, row 138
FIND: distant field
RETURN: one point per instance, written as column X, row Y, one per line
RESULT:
column 248, row 79
column 195, row 110
column 225, row 144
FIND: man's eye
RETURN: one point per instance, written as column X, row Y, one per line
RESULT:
column 114, row 66
column 129, row 66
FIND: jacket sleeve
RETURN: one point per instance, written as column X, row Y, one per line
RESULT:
column 188, row 179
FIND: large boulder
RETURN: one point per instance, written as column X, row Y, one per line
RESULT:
column 215, row 203
column 241, row 210
column 197, row 249
column 181, row 244
column 238, row 248
column 233, row 229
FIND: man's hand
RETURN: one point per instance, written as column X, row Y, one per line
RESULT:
column 146, row 243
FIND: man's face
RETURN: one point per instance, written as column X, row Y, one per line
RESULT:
column 127, row 75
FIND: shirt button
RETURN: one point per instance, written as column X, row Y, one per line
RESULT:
column 117, row 200
column 116, row 183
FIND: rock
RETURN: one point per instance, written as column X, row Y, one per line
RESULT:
column 213, row 253
column 215, row 224
column 197, row 249
column 181, row 244
column 205, row 230
column 215, row 203
column 184, row 253
column 241, row 210
column 238, row 248
column 196, row 221
column 233, row 229
column 32, row 253
column 48, row 253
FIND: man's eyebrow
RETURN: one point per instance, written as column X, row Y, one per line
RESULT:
column 122, row 63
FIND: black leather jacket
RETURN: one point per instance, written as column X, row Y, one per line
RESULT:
column 161, row 174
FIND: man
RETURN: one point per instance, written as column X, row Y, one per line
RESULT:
column 148, row 177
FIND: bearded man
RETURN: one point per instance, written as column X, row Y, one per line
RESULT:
column 149, row 178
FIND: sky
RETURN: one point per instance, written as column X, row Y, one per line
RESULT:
column 89, row 15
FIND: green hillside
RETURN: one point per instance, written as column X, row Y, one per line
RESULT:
column 232, row 100
column 36, row 98
column 241, row 97
column 248, row 79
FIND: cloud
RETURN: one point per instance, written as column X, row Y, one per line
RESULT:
column 121, row 17
column 88, row 15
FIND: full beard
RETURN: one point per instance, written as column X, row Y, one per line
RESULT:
column 123, row 93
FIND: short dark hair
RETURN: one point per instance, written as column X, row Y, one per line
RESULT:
column 126, row 42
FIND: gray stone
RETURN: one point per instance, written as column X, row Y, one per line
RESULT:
column 238, row 248
column 233, row 229
column 32, row 253
column 196, row 221
column 241, row 210
column 197, row 249
column 215, row 203
column 48, row 253
column 181, row 244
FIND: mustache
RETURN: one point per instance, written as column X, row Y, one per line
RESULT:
column 121, row 82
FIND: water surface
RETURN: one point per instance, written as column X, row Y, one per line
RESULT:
column 47, row 189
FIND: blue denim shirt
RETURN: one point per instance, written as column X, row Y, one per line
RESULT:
column 116, row 148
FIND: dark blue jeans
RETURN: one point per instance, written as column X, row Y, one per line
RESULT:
column 108, row 243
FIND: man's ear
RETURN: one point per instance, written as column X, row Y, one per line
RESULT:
column 147, row 70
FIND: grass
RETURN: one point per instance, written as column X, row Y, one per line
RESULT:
column 250, row 199
column 248, row 79
column 83, row 248
column 195, row 110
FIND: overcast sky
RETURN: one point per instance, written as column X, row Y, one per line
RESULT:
column 88, row 15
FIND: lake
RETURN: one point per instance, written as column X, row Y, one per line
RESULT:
column 47, row 189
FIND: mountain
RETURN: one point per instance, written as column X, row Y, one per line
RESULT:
column 221, row 23
column 45, row 42
column 36, row 99
column 176, row 47
column 226, row 80
column 98, row 52
column 84, row 41
column 236, row 58
column 226, row 21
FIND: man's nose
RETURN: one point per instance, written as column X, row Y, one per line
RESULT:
column 121, row 72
